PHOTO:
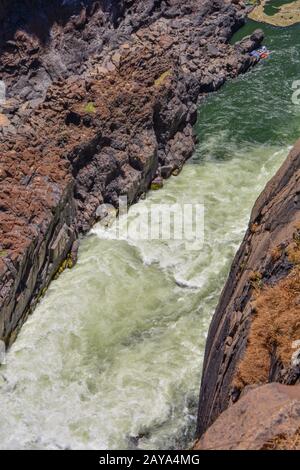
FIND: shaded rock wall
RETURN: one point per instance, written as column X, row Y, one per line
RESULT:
column 254, row 335
column 101, row 98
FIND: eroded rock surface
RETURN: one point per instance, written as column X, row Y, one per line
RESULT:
column 255, row 332
column 101, row 99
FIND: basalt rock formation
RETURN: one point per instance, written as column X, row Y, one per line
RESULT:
column 101, row 99
column 254, row 337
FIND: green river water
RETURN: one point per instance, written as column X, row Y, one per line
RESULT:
column 114, row 350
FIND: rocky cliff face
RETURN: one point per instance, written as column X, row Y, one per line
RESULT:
column 101, row 98
column 265, row 418
column 254, row 338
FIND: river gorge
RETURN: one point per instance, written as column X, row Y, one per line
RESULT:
column 111, row 356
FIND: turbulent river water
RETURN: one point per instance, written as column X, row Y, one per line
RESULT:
column 111, row 358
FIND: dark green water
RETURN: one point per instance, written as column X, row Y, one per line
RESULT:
column 114, row 350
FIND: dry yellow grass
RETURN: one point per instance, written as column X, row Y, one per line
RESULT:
column 162, row 79
column 276, row 253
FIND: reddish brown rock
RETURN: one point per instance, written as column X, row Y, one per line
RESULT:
column 266, row 417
